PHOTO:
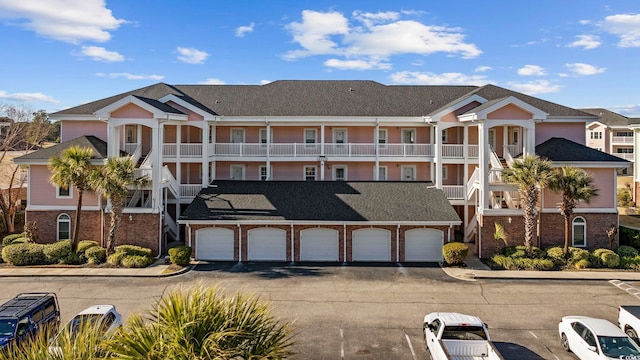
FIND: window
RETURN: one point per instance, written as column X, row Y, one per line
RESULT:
column 340, row 173
column 382, row 136
column 64, row 227
column 263, row 136
column 382, row 173
column 445, row 173
column 263, row 173
column 596, row 135
column 309, row 173
column 444, row 135
column 310, row 136
column 624, row 133
column 624, row 150
column 62, row 193
column 579, row 232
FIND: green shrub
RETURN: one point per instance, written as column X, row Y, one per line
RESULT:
column 133, row 250
column 96, row 255
column 556, row 254
column 627, row 251
column 180, row 255
column 522, row 263
column 606, row 257
column 582, row 264
column 629, row 237
column 84, row 245
column 115, row 258
column 136, row 261
column 629, row 262
column 519, row 251
column 24, row 254
column 455, row 252
column 58, row 252
column 577, row 254
column 8, row 240
column 625, row 199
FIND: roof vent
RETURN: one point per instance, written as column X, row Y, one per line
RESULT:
column 217, row 101
column 350, row 89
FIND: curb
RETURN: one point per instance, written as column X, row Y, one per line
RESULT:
column 175, row 273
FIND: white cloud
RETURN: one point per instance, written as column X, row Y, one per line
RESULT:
column 483, row 68
column 71, row 21
column 242, row 30
column 191, row 55
column 626, row 26
column 627, row 110
column 584, row 22
column 212, row 81
column 586, row 41
column 372, row 39
column 265, row 82
column 357, row 64
column 419, row 78
column 534, row 87
column 584, row 69
column 98, row 53
column 532, row 70
column 130, row 76
column 28, row 97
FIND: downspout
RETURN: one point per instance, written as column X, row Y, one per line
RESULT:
column 239, row 243
column 398, row 243
column 292, row 245
column 344, row 243
column 161, row 234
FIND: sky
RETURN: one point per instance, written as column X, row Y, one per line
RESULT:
column 63, row 53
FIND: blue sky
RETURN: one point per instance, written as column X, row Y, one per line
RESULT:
column 62, row 53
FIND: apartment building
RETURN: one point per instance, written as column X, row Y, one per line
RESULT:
column 325, row 170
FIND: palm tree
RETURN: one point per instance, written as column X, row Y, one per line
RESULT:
column 73, row 167
column 529, row 175
column 201, row 323
column 113, row 181
column 575, row 185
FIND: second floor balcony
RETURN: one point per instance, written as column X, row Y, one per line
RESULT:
column 622, row 139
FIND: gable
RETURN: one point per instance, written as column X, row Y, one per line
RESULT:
column 131, row 111
column 510, row 112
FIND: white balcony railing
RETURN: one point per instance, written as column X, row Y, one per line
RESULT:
column 622, row 139
column 452, row 151
column 625, row 156
column 316, row 149
column 454, row 192
column 192, row 150
column 189, row 190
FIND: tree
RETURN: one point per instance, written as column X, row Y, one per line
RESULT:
column 575, row 185
column 530, row 175
column 113, row 181
column 73, row 167
column 21, row 131
column 203, row 324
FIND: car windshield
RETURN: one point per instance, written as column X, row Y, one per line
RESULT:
column 464, row 333
column 82, row 321
column 7, row 327
column 618, row 347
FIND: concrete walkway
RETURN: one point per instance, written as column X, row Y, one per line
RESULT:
column 474, row 270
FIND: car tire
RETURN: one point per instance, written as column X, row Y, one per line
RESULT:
column 565, row 342
column 632, row 334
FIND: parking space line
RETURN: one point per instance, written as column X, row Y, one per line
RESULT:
column 341, row 343
column 402, row 270
column 545, row 346
column 629, row 289
column 413, row 353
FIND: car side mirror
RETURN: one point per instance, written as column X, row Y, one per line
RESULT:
column 593, row 348
column 486, row 325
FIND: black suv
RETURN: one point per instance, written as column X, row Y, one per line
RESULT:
column 27, row 314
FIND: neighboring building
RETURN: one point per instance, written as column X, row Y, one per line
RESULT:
column 394, row 171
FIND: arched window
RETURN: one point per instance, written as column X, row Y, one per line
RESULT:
column 64, row 227
column 579, row 226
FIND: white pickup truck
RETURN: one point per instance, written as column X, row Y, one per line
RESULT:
column 453, row 336
column 629, row 320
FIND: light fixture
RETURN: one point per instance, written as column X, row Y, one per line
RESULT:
column 130, row 217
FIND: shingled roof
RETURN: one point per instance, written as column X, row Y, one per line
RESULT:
column 98, row 146
column 563, row 150
column 323, row 98
column 380, row 201
column 608, row 117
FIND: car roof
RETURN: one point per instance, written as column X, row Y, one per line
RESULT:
column 453, row 319
column 97, row 309
column 600, row 327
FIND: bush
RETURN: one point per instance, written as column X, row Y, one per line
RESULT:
column 577, row 254
column 96, row 255
column 133, row 250
column 180, row 255
column 84, row 245
column 624, row 197
column 556, row 254
column 520, row 252
column 8, row 240
column 136, row 261
column 606, row 257
column 628, row 262
column 521, row 263
column 627, row 251
column 115, row 258
column 582, row 264
column 58, row 252
column 629, row 237
column 455, row 252
column 24, row 254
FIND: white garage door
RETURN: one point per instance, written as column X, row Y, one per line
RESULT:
column 423, row 245
column 371, row 245
column 319, row 245
column 267, row 244
column 214, row 244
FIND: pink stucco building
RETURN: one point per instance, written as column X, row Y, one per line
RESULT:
column 380, row 173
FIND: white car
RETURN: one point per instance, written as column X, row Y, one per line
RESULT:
column 105, row 315
column 590, row 338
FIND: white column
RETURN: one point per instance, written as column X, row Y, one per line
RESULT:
column 178, row 141
column 483, row 164
column 376, row 147
column 213, row 142
column 437, row 149
column 529, row 147
column 505, row 139
column 156, row 171
column 205, row 155
column 322, row 152
column 268, row 163
column 113, row 141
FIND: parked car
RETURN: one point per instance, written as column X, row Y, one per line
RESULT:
column 629, row 320
column 26, row 315
column 458, row 336
column 590, row 338
column 106, row 317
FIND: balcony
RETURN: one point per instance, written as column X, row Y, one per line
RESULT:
column 622, row 140
column 625, row 156
column 454, row 192
column 186, row 150
column 315, row 149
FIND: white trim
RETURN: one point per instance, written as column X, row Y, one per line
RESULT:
column 315, row 172
column 336, row 167
column 536, row 113
column 304, row 135
column 244, row 134
column 68, row 221
column 269, row 172
column 74, row 117
column 454, row 107
column 584, row 210
column 445, row 172
column 403, row 167
column 594, row 165
column 584, row 222
column 322, row 222
column 386, row 136
column 406, row 130
column 345, row 140
column 62, row 207
column 386, row 172
column 171, row 97
column 105, row 112
column 237, row 166
column 70, row 189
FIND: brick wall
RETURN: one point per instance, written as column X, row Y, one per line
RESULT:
column 47, row 224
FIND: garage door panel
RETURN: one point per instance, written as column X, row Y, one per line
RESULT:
column 215, row 244
column 423, row 245
column 371, row 245
column 319, row 245
column 267, row 244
